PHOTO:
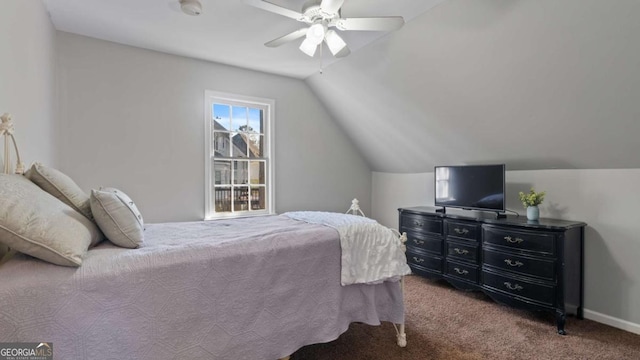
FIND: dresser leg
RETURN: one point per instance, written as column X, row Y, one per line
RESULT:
column 561, row 318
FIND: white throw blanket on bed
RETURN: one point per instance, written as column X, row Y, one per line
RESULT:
column 371, row 253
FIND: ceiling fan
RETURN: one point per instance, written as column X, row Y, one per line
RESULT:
column 323, row 16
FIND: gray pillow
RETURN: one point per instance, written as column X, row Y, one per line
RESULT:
column 118, row 217
column 35, row 223
column 61, row 186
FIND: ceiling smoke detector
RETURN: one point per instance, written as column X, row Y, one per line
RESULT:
column 191, row 7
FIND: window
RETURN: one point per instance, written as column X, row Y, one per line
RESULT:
column 238, row 155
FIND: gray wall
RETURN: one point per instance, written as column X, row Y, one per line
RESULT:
column 606, row 200
column 27, row 77
column 535, row 84
column 134, row 119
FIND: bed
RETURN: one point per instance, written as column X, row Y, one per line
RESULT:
column 248, row 288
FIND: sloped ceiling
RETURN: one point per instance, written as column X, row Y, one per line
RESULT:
column 535, row 84
column 228, row 31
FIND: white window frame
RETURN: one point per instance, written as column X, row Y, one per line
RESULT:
column 211, row 97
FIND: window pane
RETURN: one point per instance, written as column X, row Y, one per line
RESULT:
column 221, row 144
column 222, row 172
column 239, row 118
column 222, row 199
column 255, row 120
column 257, row 172
column 258, row 198
column 256, row 143
column 241, row 198
column 240, row 145
column 221, row 119
column 240, row 172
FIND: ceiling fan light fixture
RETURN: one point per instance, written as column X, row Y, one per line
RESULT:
column 316, row 33
column 308, row 47
column 335, row 42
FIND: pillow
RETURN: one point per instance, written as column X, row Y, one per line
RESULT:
column 118, row 217
column 35, row 223
column 61, row 186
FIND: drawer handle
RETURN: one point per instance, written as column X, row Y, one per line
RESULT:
column 461, row 272
column 461, row 252
column 418, row 260
column 513, row 287
column 461, row 231
column 512, row 240
column 418, row 242
column 418, row 223
column 513, row 263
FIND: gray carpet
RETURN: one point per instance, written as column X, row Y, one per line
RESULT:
column 444, row 323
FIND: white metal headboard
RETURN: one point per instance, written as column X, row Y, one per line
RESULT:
column 6, row 130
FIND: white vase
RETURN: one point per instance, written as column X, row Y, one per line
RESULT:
column 533, row 213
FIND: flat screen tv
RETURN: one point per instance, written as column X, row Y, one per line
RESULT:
column 473, row 187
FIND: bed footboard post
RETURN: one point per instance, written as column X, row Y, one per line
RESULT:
column 402, row 335
column 355, row 208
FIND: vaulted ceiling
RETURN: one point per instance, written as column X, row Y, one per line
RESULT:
column 228, row 31
column 535, row 84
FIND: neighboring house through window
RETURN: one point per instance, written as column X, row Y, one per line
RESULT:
column 238, row 155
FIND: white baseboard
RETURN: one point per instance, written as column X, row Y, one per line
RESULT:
column 612, row 321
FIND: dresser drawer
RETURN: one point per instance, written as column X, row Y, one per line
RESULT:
column 540, row 242
column 426, row 243
column 533, row 291
column 426, row 261
column 462, row 271
column 521, row 264
column 462, row 230
column 421, row 223
column 467, row 252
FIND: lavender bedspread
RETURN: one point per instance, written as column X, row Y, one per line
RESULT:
column 257, row 288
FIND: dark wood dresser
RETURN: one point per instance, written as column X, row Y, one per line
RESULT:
column 535, row 265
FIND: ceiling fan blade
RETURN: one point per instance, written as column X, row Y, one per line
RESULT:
column 331, row 6
column 371, row 24
column 265, row 5
column 285, row 39
column 336, row 45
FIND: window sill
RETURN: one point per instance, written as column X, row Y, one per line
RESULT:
column 239, row 215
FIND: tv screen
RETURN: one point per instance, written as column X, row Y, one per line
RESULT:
column 476, row 187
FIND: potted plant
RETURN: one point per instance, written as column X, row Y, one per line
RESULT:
column 531, row 200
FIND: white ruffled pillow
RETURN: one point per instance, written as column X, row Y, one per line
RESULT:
column 118, row 217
